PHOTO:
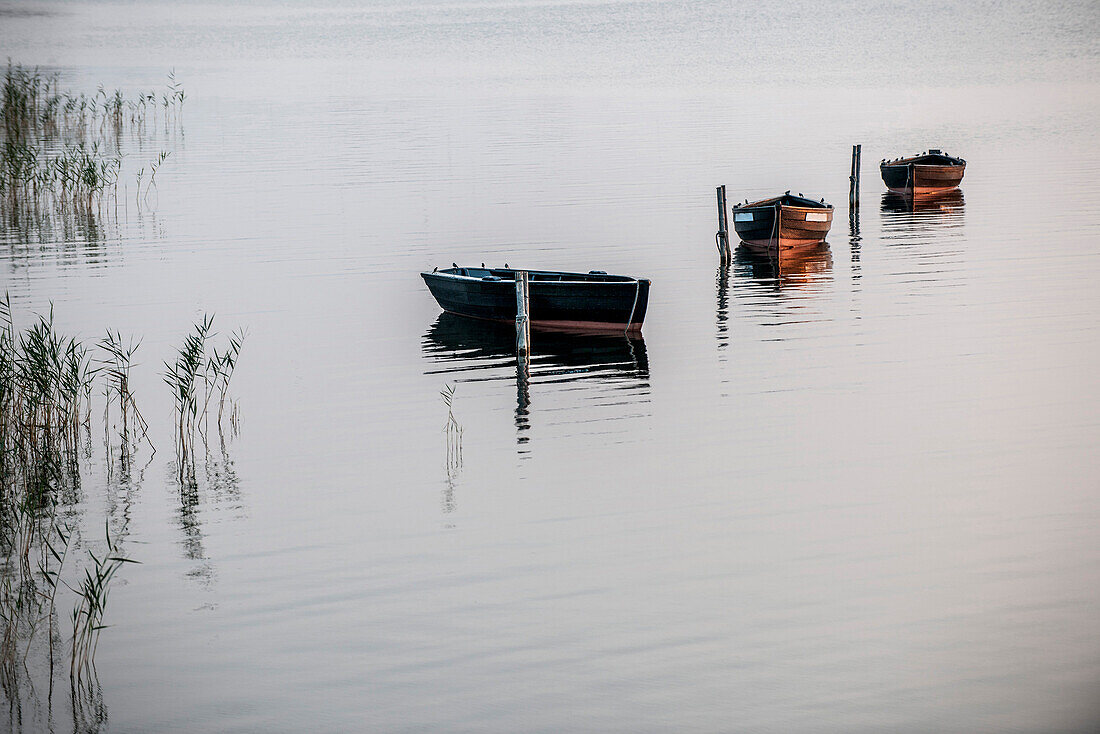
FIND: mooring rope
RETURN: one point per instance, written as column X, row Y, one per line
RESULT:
column 637, row 291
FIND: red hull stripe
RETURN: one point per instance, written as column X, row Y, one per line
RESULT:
column 924, row 189
column 565, row 325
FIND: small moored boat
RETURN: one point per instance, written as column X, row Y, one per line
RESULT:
column 782, row 222
column 559, row 300
column 929, row 173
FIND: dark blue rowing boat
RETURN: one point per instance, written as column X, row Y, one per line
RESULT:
column 559, row 300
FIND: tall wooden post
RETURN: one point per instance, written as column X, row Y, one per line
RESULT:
column 723, row 227
column 523, row 321
column 853, row 179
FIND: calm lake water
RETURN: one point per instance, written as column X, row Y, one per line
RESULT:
column 859, row 494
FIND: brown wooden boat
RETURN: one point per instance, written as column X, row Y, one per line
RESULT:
column 928, row 173
column 783, row 222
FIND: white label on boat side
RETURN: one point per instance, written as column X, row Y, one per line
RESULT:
column 743, row 217
column 817, row 217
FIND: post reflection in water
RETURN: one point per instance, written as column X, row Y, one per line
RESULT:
column 722, row 280
column 523, row 402
column 469, row 350
column 854, row 241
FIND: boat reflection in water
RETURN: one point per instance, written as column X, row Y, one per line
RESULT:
column 773, row 288
column 785, row 268
column 470, row 350
column 923, row 220
column 466, row 345
column 947, row 203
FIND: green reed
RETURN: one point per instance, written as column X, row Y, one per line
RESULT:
column 195, row 378
column 46, row 384
column 453, row 431
column 63, row 149
column 87, row 616
column 116, row 366
column 45, row 381
column 47, row 378
column 183, row 377
column 220, row 368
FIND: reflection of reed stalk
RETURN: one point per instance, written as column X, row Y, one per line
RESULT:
column 453, row 431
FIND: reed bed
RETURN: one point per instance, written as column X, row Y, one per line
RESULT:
column 35, row 107
column 45, row 385
column 47, row 380
column 64, row 150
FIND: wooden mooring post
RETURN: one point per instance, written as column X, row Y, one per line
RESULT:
column 523, row 319
column 722, row 238
column 853, row 191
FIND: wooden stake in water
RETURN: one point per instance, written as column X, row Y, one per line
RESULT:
column 723, row 230
column 523, row 321
column 853, row 179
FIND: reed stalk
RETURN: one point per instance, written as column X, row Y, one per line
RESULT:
column 116, row 366
column 87, row 616
column 453, row 431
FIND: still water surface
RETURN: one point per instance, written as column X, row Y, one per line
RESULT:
column 859, row 493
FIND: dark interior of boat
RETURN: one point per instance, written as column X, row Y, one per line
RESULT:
column 787, row 199
column 931, row 158
column 594, row 276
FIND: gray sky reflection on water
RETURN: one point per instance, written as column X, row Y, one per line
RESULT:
column 855, row 490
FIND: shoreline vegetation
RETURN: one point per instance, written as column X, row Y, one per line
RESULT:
column 47, row 383
column 62, row 155
column 64, row 152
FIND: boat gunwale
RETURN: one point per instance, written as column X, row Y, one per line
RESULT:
column 914, row 160
column 787, row 207
column 773, row 201
column 590, row 278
